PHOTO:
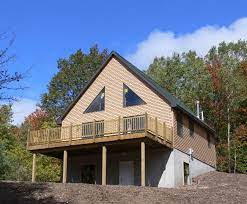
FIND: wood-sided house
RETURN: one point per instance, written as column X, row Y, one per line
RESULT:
column 123, row 129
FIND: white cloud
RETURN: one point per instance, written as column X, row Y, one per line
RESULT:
column 165, row 43
column 21, row 109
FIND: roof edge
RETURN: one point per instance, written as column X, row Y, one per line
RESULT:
column 165, row 95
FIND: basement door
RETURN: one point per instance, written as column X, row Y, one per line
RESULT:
column 126, row 172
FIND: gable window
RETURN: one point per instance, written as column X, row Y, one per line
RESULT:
column 180, row 124
column 98, row 104
column 130, row 98
column 191, row 127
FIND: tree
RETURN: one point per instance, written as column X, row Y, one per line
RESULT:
column 48, row 168
column 8, row 80
column 73, row 75
column 6, row 139
column 216, row 81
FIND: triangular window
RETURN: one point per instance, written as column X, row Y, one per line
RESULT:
column 98, row 104
column 130, row 98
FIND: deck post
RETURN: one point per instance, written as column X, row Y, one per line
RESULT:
column 65, row 165
column 143, row 174
column 156, row 126
column 164, row 130
column 34, row 168
column 119, row 124
column 28, row 137
column 49, row 137
column 94, row 130
column 104, row 151
column 146, row 124
column 70, row 133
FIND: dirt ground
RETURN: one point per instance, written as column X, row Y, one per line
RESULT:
column 214, row 187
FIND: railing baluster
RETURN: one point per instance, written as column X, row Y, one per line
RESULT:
column 118, row 126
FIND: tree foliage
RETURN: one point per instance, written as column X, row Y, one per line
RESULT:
column 218, row 81
column 73, row 74
column 15, row 160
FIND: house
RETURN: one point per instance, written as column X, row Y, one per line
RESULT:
column 123, row 129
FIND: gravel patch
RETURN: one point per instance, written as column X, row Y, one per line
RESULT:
column 213, row 187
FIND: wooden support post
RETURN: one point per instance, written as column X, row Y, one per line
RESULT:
column 156, row 126
column 164, row 131
column 104, row 151
column 143, row 174
column 65, row 165
column 34, row 168
column 146, row 124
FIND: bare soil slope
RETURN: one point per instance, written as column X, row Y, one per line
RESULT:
column 214, row 187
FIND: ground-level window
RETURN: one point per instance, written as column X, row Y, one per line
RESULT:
column 186, row 174
column 98, row 104
column 130, row 98
column 191, row 127
column 179, row 124
column 88, row 174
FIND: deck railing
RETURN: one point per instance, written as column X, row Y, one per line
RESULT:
column 103, row 128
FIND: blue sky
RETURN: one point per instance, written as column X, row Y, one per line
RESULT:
column 139, row 30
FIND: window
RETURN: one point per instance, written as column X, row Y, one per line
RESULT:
column 191, row 127
column 98, row 104
column 209, row 140
column 130, row 98
column 179, row 124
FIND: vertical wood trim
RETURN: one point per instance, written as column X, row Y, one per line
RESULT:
column 104, row 151
column 65, row 165
column 143, row 174
column 34, row 168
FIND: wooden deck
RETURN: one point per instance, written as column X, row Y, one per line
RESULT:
column 126, row 128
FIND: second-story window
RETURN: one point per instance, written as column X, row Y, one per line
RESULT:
column 98, row 104
column 130, row 98
column 191, row 127
column 180, row 124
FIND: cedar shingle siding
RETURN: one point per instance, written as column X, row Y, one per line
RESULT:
column 199, row 141
column 112, row 77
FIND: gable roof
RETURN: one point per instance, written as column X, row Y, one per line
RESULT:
column 164, row 94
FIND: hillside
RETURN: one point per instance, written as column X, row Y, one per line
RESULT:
column 214, row 187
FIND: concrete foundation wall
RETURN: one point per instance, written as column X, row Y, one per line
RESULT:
column 156, row 166
column 164, row 167
column 196, row 167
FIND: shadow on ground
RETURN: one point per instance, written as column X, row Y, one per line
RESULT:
column 22, row 192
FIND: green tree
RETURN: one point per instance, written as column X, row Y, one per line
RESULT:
column 215, row 82
column 6, row 138
column 73, row 75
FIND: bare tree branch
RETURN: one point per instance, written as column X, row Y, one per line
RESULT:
column 8, row 80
